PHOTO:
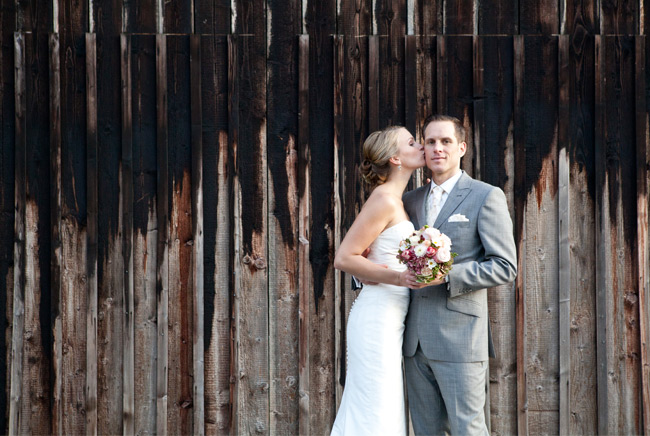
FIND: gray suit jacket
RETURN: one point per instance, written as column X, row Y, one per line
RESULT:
column 451, row 321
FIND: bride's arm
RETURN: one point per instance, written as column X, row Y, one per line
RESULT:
column 376, row 214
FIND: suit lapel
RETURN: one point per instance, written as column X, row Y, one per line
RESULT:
column 455, row 198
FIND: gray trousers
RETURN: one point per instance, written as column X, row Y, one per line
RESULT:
column 446, row 397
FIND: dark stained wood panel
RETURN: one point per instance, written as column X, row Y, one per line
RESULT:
column 112, row 244
column 498, row 17
column 137, row 16
column 282, row 153
column 582, row 237
column 619, row 17
column 321, row 24
column 355, row 18
column 180, row 364
column 177, row 16
column 539, row 17
column 580, row 18
column 428, row 17
column 69, row 416
column 145, row 228
column 212, row 16
column 217, row 185
column 461, row 17
column 7, row 177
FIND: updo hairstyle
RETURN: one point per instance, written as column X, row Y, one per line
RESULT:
column 378, row 148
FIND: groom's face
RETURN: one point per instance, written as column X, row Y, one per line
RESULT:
column 442, row 150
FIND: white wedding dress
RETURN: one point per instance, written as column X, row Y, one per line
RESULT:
column 373, row 397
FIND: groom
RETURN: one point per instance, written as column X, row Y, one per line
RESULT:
column 447, row 339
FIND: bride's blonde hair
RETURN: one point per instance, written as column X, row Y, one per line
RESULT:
column 378, row 148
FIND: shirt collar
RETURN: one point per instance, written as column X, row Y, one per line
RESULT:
column 448, row 184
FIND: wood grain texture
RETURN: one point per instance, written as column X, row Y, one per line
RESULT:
column 564, row 222
column 579, row 19
column 582, row 237
column 539, row 18
column 321, row 24
column 461, row 17
column 137, row 17
column 619, row 17
column 217, row 185
column 114, row 233
column 145, row 228
column 18, row 315
column 305, row 280
column 520, row 236
column 212, row 16
column 126, row 205
column 284, row 21
column 496, row 65
column 498, row 17
column 541, row 253
column 428, row 17
column 197, row 264
column 69, row 416
column 92, row 182
column 162, row 250
column 643, row 246
column 619, row 223
column 7, row 168
column 181, row 402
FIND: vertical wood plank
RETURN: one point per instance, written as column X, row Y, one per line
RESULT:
column 391, row 16
column 7, row 168
column 18, row 318
column 339, row 306
column 582, row 231
column 619, row 18
column 520, row 236
column 212, row 16
column 114, row 210
column 411, row 104
column 180, row 378
column 126, row 201
column 73, row 293
column 305, row 281
column 177, row 16
column 251, row 218
column 461, row 17
column 38, row 338
column 92, row 244
column 643, row 246
column 198, row 389
column 355, row 17
column 162, row 267
column 478, row 92
column 620, row 222
column 56, row 194
column 602, row 274
column 373, row 83
column 455, row 93
column 283, row 19
column 428, row 17
column 498, row 17
column 495, row 63
column 233, row 145
column 145, row 228
column 564, row 223
column 137, row 17
column 217, row 170
column 541, row 117
column 539, row 18
column 321, row 25
column 426, row 82
column 580, row 18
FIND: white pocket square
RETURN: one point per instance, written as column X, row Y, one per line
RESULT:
column 458, row 218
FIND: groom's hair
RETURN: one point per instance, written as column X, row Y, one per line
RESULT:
column 458, row 126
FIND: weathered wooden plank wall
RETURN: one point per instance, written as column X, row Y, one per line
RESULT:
column 176, row 176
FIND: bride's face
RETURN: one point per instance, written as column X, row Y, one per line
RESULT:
column 409, row 151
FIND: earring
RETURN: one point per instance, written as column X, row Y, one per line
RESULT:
column 399, row 168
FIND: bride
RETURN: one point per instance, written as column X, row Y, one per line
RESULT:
column 373, row 398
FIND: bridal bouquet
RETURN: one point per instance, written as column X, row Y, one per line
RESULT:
column 427, row 253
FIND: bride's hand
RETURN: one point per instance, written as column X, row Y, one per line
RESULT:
column 407, row 278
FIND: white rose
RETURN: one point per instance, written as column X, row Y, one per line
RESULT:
column 431, row 233
column 420, row 250
column 443, row 255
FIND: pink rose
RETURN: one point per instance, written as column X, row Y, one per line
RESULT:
column 443, row 255
column 431, row 251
